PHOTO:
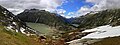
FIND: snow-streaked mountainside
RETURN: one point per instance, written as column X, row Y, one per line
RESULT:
column 13, row 23
column 100, row 32
column 101, row 18
column 103, row 32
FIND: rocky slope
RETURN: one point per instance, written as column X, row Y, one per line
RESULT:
column 106, row 17
column 102, row 24
column 15, row 32
column 11, row 22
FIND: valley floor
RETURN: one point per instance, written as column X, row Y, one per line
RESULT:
column 8, row 37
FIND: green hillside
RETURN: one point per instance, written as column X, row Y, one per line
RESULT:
column 13, row 38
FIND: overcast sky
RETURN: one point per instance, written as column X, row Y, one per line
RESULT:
column 66, row 8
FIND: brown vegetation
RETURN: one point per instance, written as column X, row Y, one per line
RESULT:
column 108, row 41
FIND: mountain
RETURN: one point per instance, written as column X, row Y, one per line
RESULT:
column 106, row 17
column 11, row 22
column 103, row 25
column 15, row 32
column 45, row 17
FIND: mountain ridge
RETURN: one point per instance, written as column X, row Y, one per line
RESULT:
column 45, row 17
column 105, row 17
column 11, row 22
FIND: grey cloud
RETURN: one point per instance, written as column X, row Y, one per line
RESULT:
column 105, row 4
column 113, row 4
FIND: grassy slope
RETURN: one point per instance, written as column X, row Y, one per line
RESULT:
column 109, row 41
column 41, row 28
column 13, row 38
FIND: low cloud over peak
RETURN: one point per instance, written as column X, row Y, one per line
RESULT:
column 98, row 5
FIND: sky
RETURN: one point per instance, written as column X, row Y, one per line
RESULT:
column 66, row 8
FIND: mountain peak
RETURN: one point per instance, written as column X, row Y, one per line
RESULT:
column 44, row 17
column 33, row 10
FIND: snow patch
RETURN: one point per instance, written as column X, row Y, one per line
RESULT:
column 22, row 30
column 30, row 34
column 103, row 32
column 5, row 12
column 14, row 23
column 9, row 27
column 101, row 28
column 16, row 30
column 74, row 41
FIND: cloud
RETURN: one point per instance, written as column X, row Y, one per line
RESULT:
column 61, row 11
column 70, row 13
column 108, row 4
column 99, row 5
column 16, row 11
column 83, row 10
column 16, row 6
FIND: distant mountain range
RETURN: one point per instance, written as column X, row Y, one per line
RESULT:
column 106, row 17
column 45, row 17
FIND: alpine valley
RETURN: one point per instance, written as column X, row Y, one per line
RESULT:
column 41, row 27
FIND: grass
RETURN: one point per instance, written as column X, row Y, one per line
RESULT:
column 108, row 41
column 13, row 38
